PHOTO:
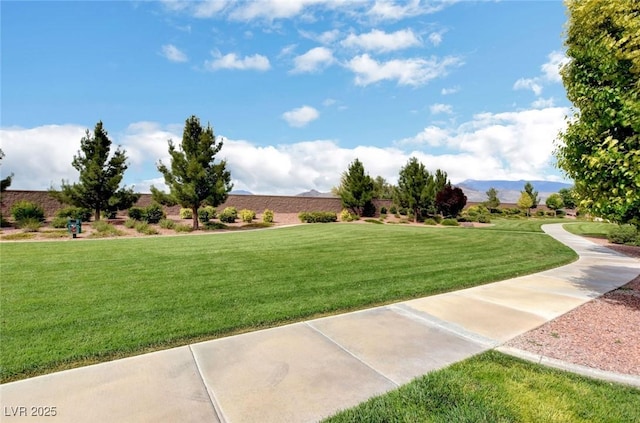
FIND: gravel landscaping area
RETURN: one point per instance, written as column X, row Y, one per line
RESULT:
column 601, row 334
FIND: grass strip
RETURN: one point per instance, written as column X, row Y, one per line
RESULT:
column 493, row 388
column 66, row 304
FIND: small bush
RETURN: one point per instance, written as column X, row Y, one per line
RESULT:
column 247, row 216
column 484, row 218
column 206, row 213
column 29, row 224
column 624, row 234
column 181, row 227
column 267, row 216
column 561, row 213
column 462, row 219
column 539, row 213
column 22, row 210
column 109, row 214
column 167, row 224
column 402, row 211
column 393, row 210
column 383, row 210
column 229, row 215
column 154, row 213
column 213, row 226
column 75, row 213
column 59, row 222
column 104, row 229
column 430, row 221
column 318, row 217
column 347, row 216
column 129, row 223
column 145, row 228
column 186, row 213
column 136, row 213
column 450, row 222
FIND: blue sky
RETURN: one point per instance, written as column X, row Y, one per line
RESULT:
column 297, row 89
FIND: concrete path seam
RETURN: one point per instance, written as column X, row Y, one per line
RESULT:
column 343, row 348
column 212, row 397
column 457, row 330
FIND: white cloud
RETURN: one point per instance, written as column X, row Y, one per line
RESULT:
column 209, row 8
column 271, row 9
column 435, row 38
column 173, row 53
column 232, row 61
column 532, row 84
column 326, row 37
column 301, row 116
column 396, row 10
column 543, row 103
column 381, row 41
column 431, row 135
column 448, row 91
column 405, row 71
column 551, row 69
column 313, row 60
column 441, row 108
column 550, row 74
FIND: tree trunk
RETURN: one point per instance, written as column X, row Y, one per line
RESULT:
column 96, row 216
column 196, row 221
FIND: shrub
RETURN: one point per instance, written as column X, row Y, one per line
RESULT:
column 181, row 227
column 267, row 216
column 450, row 222
column 59, row 222
column 624, row 234
column 104, row 229
column 109, row 214
column 561, row 213
column 539, row 213
column 145, row 228
column 136, row 213
column 393, row 210
column 229, row 215
column 212, row 226
column 129, row 223
column 206, row 213
column 383, row 210
column 153, row 213
column 167, row 224
column 430, row 221
column 461, row 219
column 484, row 218
column 402, row 211
column 318, row 217
column 186, row 213
column 21, row 210
column 347, row 216
column 75, row 213
column 247, row 216
column 29, row 224
column 550, row 214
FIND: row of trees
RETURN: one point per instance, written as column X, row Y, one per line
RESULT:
column 194, row 177
column 418, row 189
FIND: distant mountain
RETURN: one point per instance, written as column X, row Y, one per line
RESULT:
column 508, row 191
column 314, row 193
column 241, row 192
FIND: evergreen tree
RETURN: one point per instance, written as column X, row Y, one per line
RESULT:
column 98, row 187
column 493, row 202
column 356, row 188
column 194, row 177
column 415, row 187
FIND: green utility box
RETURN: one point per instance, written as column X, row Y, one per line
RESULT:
column 74, row 226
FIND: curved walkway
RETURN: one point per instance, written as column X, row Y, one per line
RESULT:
column 306, row 371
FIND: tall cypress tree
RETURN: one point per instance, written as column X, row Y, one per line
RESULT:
column 356, row 188
column 194, row 177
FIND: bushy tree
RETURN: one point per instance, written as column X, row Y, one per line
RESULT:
column 450, row 201
column 356, row 188
column 101, row 173
column 535, row 198
column 568, row 197
column 599, row 148
column 493, row 202
column 554, row 202
column 194, row 177
column 525, row 202
column 382, row 189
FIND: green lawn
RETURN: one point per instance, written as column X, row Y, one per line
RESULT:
column 493, row 388
column 532, row 224
column 594, row 229
column 67, row 303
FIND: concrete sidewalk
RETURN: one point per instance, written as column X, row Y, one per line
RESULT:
column 306, row 371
